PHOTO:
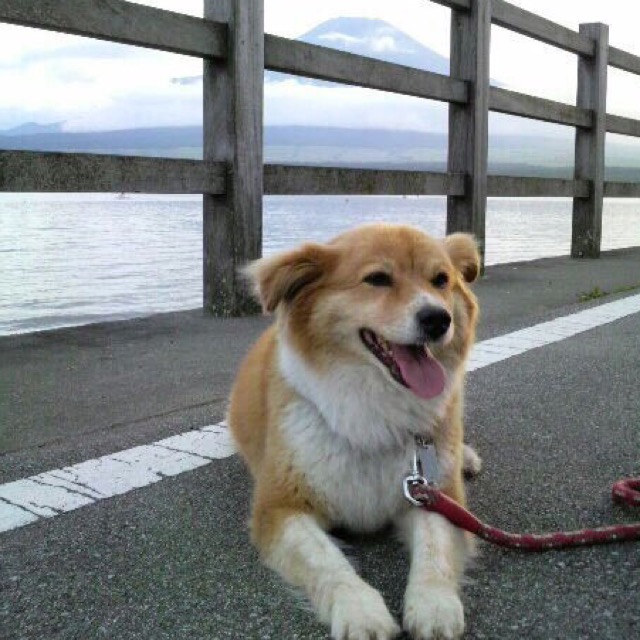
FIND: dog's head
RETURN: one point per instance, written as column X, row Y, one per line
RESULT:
column 389, row 296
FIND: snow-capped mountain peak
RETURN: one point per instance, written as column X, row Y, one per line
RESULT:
column 376, row 39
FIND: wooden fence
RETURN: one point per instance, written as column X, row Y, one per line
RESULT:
column 231, row 41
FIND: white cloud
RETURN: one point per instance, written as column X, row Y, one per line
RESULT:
column 383, row 43
column 91, row 84
column 379, row 44
column 343, row 38
column 296, row 104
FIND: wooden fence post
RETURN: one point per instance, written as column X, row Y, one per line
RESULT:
column 233, row 97
column 590, row 144
column 469, row 123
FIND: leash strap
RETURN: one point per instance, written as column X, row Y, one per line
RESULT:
column 626, row 491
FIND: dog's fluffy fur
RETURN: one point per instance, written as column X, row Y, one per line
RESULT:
column 328, row 432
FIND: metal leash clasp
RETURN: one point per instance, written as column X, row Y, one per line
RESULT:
column 415, row 478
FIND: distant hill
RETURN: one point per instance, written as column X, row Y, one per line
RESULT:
column 166, row 140
column 389, row 139
column 334, row 146
column 30, row 128
column 146, row 141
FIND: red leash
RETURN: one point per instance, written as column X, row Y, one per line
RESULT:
column 428, row 497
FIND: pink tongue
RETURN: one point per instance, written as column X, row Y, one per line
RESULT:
column 424, row 375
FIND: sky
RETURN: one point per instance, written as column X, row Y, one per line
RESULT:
column 91, row 85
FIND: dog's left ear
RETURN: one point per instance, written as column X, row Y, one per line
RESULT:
column 463, row 251
column 280, row 278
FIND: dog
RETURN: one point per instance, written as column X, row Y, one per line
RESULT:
column 367, row 352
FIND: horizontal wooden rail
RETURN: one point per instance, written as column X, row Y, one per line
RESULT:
column 534, row 26
column 622, row 60
column 323, row 63
column 622, row 189
column 521, row 104
column 317, row 181
column 623, row 126
column 509, row 16
column 520, row 187
column 461, row 5
column 123, row 22
column 32, row 171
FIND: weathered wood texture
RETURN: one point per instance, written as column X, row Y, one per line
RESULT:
column 623, row 126
column 623, row 60
column 521, row 104
column 590, row 145
column 622, row 189
column 233, row 98
column 518, row 187
column 32, row 171
column 318, row 181
column 469, row 123
column 534, row 26
column 123, row 22
column 304, row 180
column 324, row 63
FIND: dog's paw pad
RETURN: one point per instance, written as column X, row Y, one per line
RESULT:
column 362, row 615
column 434, row 614
column 471, row 462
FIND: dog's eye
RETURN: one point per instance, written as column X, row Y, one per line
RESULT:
column 379, row 279
column 441, row 280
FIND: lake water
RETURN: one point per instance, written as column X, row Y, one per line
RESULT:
column 69, row 259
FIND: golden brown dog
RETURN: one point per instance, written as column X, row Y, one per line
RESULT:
column 366, row 353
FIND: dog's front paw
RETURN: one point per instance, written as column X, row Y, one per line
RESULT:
column 435, row 612
column 471, row 462
column 361, row 614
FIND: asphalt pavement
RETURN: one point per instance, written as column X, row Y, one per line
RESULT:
column 555, row 427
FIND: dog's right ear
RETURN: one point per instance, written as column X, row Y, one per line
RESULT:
column 280, row 278
column 463, row 251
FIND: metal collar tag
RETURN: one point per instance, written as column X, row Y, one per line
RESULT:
column 430, row 468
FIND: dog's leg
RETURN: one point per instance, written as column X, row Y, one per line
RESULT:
column 294, row 545
column 471, row 461
column 432, row 606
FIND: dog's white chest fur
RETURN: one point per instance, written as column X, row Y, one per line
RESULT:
column 362, row 490
column 351, row 434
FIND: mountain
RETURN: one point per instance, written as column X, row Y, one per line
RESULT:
column 376, row 39
column 388, row 139
column 365, row 37
column 31, row 128
column 148, row 141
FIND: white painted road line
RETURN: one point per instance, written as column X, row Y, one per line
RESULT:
column 53, row 492
column 61, row 490
column 512, row 344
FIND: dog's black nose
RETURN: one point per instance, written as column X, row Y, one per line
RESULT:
column 433, row 322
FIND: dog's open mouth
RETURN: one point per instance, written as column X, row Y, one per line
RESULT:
column 411, row 365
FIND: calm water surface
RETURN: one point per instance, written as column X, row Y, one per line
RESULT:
column 68, row 259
